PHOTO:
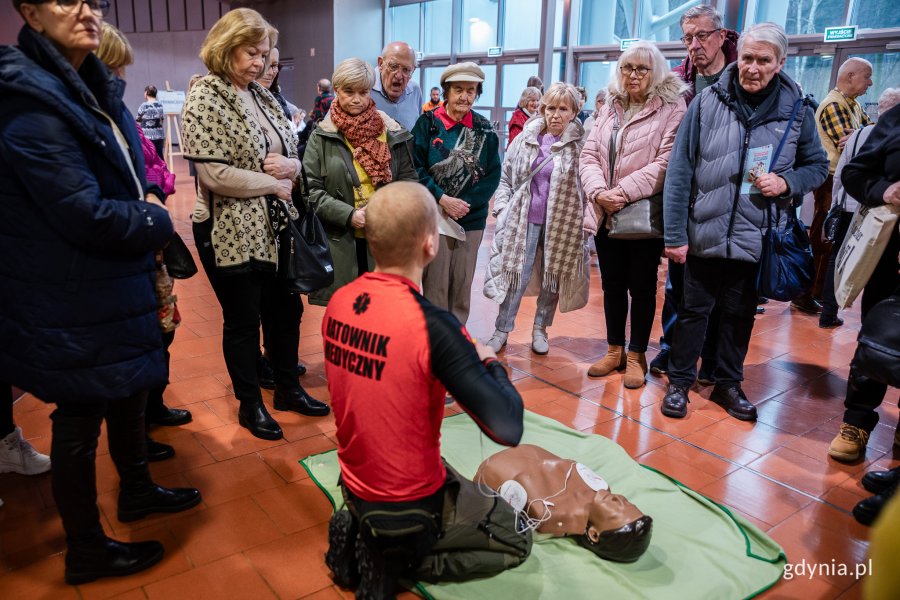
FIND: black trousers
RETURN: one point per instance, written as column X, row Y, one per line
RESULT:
column 864, row 395
column 73, row 451
column 7, row 426
column 710, row 282
column 160, row 146
column 244, row 297
column 674, row 293
column 628, row 267
column 829, row 302
column 155, row 395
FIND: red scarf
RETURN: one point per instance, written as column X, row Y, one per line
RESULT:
column 362, row 132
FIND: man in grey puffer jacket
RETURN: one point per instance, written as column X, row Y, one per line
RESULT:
column 719, row 182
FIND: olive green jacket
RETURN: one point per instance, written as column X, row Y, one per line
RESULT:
column 332, row 196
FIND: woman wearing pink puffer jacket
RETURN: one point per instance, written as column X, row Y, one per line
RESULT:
column 624, row 161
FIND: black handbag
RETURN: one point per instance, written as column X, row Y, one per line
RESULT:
column 178, row 259
column 878, row 352
column 833, row 218
column 304, row 258
column 786, row 267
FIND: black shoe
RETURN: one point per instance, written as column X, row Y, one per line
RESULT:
column 705, row 376
column 829, row 321
column 169, row 417
column 299, row 401
column 156, row 499
column 674, row 403
column 157, row 451
column 878, row 481
column 734, row 402
column 301, row 369
column 257, row 419
column 762, row 300
column 866, row 511
column 111, row 559
column 660, row 364
column 760, row 310
column 807, row 304
column 264, row 373
column 375, row 583
column 343, row 534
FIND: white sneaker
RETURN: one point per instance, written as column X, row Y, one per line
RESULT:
column 497, row 341
column 18, row 456
column 539, row 342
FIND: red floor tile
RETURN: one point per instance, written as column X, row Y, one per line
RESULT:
column 231, row 577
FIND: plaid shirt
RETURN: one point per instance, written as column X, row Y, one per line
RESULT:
column 837, row 121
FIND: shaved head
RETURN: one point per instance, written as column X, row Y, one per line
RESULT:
column 399, row 218
column 854, row 76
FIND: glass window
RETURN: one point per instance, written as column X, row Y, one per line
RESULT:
column 559, row 65
column 479, row 26
column 874, row 14
column 490, row 86
column 885, row 74
column 558, row 25
column 813, row 73
column 514, row 79
column 595, row 75
column 654, row 27
column 802, row 16
column 598, row 28
column 431, row 77
column 405, row 24
column 522, row 25
column 438, row 15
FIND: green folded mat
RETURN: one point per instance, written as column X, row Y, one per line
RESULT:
column 699, row 549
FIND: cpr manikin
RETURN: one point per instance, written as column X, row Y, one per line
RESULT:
column 562, row 497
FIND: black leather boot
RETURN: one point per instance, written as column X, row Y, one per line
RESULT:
column 109, row 558
column 674, row 403
column 169, row 417
column 734, row 402
column 879, row 481
column 299, row 401
column 157, row 451
column 134, row 505
column 257, row 419
column 866, row 511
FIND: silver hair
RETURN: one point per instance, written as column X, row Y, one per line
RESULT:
column 647, row 52
column 850, row 65
column 527, row 94
column 698, row 12
column 767, row 33
column 888, row 99
column 353, row 74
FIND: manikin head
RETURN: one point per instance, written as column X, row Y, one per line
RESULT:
column 617, row 530
column 401, row 226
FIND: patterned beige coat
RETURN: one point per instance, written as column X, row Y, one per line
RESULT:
column 562, row 265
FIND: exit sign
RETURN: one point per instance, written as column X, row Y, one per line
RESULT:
column 495, row 51
column 840, row 34
column 627, row 43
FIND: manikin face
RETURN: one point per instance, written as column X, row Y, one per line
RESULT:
column 271, row 70
column 353, row 102
column 610, row 511
column 757, row 65
column 248, row 62
column 396, row 68
column 702, row 53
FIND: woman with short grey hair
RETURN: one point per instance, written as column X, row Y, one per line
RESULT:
column 527, row 108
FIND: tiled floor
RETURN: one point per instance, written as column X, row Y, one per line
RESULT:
column 261, row 530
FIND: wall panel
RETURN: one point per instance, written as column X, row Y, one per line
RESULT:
column 159, row 14
column 142, row 23
column 125, row 16
column 177, row 20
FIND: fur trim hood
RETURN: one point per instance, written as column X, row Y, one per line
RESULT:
column 669, row 90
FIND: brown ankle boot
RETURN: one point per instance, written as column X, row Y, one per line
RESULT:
column 613, row 361
column 635, row 370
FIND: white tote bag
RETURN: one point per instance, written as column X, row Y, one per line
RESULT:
column 868, row 236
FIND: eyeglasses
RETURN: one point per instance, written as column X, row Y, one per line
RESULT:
column 394, row 67
column 701, row 36
column 640, row 71
column 99, row 7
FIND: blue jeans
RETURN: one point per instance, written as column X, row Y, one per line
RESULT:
column 546, row 302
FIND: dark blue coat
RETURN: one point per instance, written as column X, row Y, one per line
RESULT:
column 78, row 320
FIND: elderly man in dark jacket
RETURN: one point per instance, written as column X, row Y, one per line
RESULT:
column 715, row 210
column 78, row 310
column 710, row 48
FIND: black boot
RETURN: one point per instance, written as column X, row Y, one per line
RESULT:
column 157, row 451
column 375, row 583
column 299, row 401
column 674, row 403
column 734, row 402
column 343, row 533
column 135, row 505
column 866, row 511
column 109, row 558
column 257, row 419
column 168, row 416
column 879, row 481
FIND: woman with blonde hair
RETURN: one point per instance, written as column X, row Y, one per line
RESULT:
column 624, row 161
column 246, row 158
column 527, row 108
column 355, row 150
column 541, row 212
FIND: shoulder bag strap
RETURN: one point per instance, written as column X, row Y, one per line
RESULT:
column 787, row 130
column 348, row 161
column 534, row 172
column 612, row 146
column 843, row 203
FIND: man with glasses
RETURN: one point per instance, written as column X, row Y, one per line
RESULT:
column 395, row 92
column 710, row 49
